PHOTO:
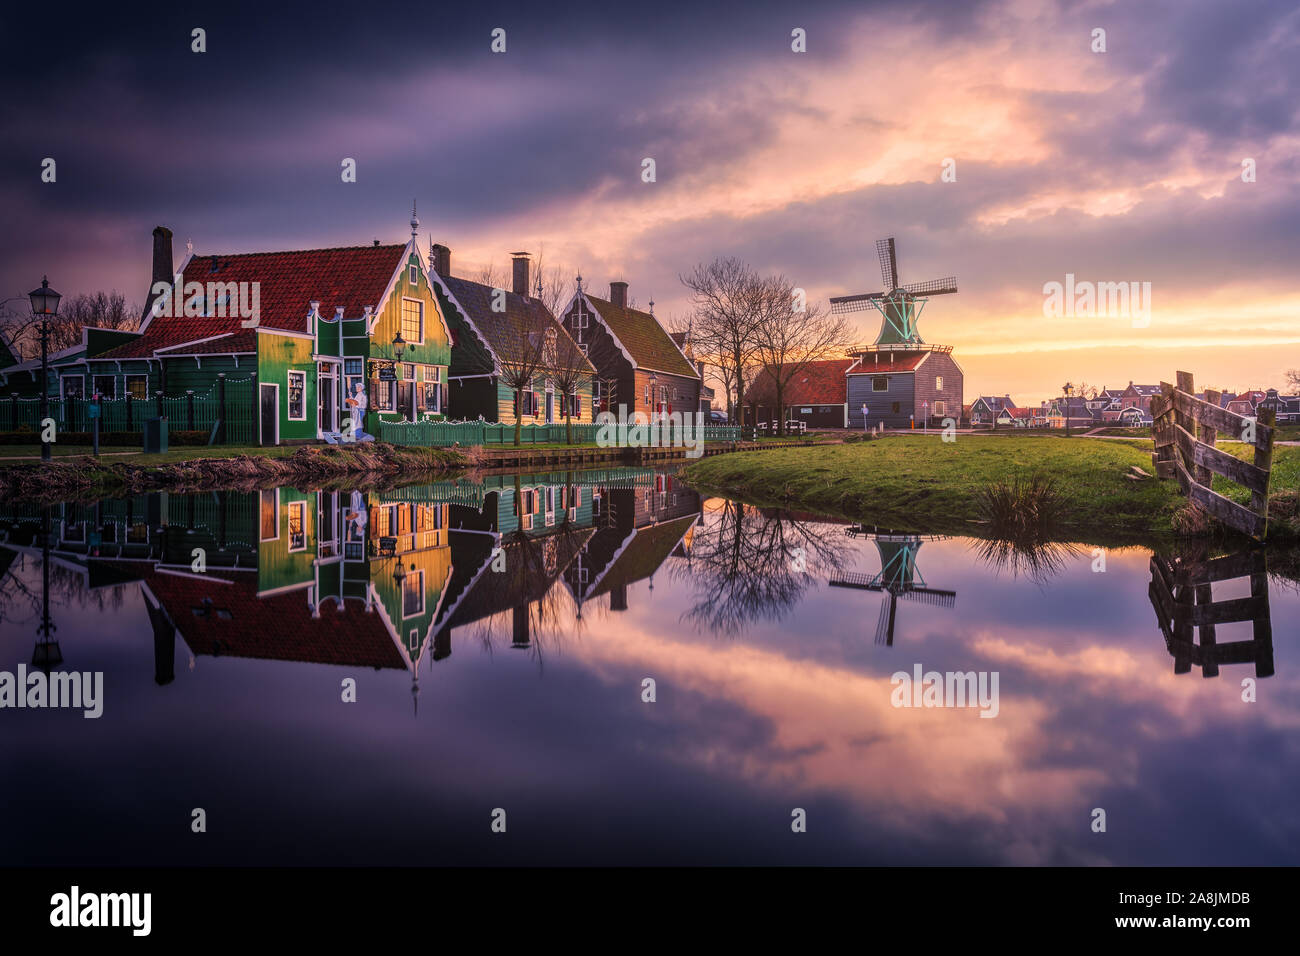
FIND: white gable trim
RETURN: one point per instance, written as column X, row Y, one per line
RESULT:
column 600, row 318
column 496, row 362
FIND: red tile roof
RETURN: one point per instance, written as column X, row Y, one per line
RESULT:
column 353, row 277
column 644, row 338
column 880, row 362
column 817, row 383
column 276, row 627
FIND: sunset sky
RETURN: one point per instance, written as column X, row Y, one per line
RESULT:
column 1116, row 166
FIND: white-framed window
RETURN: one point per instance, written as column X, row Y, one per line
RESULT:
column 105, row 386
column 582, row 348
column 939, row 408
column 74, row 386
column 413, row 594
column 297, row 526
column 647, row 394
column 938, row 383
column 581, row 317
column 880, row 383
column 414, row 275
column 413, row 321
column 297, row 395
column 137, row 386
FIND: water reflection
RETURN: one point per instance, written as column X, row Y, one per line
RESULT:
column 559, row 594
column 1189, row 612
column 746, row 564
column 360, row 578
column 898, row 577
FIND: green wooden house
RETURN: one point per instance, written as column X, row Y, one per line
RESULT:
column 275, row 345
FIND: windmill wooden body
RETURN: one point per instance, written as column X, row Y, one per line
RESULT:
column 899, row 577
column 900, row 381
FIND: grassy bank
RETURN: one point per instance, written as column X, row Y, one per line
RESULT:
column 200, row 469
column 927, row 485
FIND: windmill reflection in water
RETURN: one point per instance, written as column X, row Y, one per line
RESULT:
column 899, row 576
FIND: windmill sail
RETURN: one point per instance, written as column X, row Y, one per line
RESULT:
column 899, row 305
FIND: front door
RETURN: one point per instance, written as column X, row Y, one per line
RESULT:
column 550, row 408
column 327, row 420
column 269, row 416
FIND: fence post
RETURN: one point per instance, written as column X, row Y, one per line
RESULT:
column 1208, row 435
column 1264, row 460
column 129, row 400
column 221, row 407
column 189, row 409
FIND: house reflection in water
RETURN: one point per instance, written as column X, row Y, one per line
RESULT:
column 365, row 578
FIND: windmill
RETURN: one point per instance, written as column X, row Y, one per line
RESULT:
column 899, row 577
column 900, row 305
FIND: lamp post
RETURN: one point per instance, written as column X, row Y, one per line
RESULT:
column 45, row 305
column 1066, row 389
column 46, row 654
column 654, row 395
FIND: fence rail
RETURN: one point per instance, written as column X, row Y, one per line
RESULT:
column 229, row 404
column 445, row 434
column 1181, row 594
column 1185, row 431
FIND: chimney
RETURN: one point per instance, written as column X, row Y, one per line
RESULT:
column 162, row 265
column 440, row 260
column 520, row 273
column 618, row 294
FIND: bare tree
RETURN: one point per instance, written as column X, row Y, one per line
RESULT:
column 566, row 366
column 1293, row 378
column 490, row 276
column 789, row 335
column 100, row 310
column 520, row 348
column 553, row 284
column 725, row 295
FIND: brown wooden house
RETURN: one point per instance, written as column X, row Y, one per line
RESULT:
column 637, row 362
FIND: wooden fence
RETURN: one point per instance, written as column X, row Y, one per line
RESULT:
column 1185, row 430
column 1180, row 593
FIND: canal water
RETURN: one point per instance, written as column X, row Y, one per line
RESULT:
column 605, row 668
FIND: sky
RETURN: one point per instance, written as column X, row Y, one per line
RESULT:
column 1117, row 166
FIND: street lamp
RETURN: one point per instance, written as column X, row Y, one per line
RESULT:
column 1066, row 389
column 654, row 394
column 399, row 573
column 399, row 346
column 45, row 305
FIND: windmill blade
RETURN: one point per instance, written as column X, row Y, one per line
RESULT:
column 885, row 622
column 854, row 303
column 931, row 596
column 888, row 262
column 933, row 287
